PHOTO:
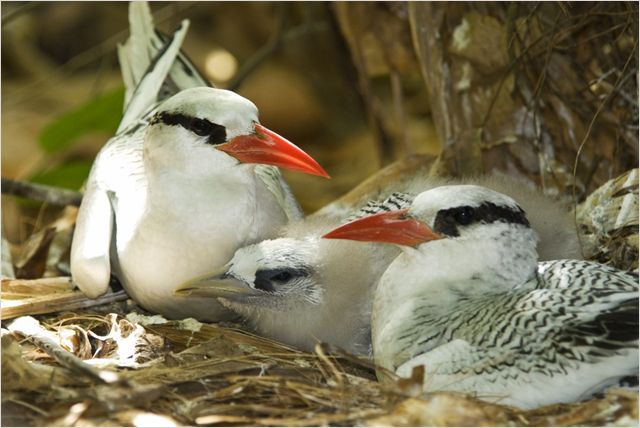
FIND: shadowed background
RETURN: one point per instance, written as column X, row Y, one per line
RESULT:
column 519, row 87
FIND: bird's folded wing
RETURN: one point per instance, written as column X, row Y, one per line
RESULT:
column 90, row 266
column 136, row 53
column 117, row 173
column 147, row 94
column 183, row 74
column 448, row 365
column 605, row 332
column 272, row 178
column 142, row 46
column 600, row 303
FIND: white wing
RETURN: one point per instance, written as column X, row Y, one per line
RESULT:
column 117, row 170
column 272, row 178
column 445, row 366
column 90, row 266
column 139, row 51
column 146, row 95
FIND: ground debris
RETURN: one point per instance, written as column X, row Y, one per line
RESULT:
column 225, row 376
column 608, row 221
column 22, row 297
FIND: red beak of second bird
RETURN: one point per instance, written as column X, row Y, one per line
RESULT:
column 394, row 227
column 267, row 147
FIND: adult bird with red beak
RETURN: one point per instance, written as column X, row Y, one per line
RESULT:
column 467, row 299
column 190, row 177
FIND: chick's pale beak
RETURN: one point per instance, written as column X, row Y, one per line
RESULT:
column 214, row 284
column 267, row 147
column 393, row 227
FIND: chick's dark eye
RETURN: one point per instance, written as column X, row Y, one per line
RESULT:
column 283, row 276
column 464, row 215
column 273, row 279
column 200, row 127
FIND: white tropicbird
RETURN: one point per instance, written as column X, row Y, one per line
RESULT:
column 467, row 299
column 189, row 177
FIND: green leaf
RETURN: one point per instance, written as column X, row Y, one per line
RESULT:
column 100, row 114
column 70, row 175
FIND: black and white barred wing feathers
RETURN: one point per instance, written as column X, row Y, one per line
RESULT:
column 143, row 48
column 601, row 302
column 575, row 326
column 396, row 201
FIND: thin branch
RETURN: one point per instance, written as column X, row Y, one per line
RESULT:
column 588, row 134
column 35, row 300
column 40, row 192
column 275, row 42
column 272, row 45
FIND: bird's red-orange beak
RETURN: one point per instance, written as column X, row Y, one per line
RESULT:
column 267, row 147
column 393, row 227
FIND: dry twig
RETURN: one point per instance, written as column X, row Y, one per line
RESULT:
column 40, row 192
column 47, row 295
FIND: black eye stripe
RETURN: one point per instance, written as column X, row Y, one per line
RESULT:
column 282, row 276
column 217, row 133
column 447, row 221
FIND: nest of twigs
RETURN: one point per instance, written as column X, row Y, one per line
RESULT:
column 187, row 373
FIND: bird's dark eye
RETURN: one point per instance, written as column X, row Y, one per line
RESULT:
column 464, row 215
column 272, row 279
column 217, row 135
column 264, row 279
column 283, row 276
column 264, row 285
column 200, row 127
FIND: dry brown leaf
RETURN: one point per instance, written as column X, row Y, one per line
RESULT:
column 32, row 260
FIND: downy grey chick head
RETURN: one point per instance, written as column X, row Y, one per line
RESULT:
column 273, row 276
column 301, row 291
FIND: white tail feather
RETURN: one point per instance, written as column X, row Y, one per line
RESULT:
column 145, row 95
